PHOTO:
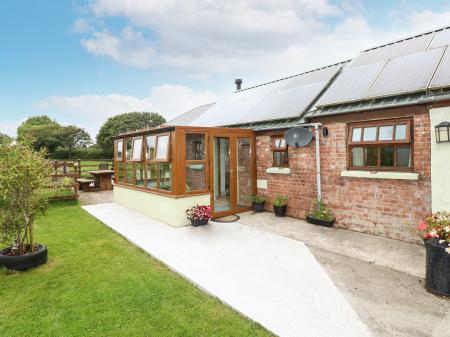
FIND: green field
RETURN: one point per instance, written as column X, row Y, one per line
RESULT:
column 97, row 284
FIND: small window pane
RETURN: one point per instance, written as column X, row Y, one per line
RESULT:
column 140, row 174
column 161, row 148
column 119, row 150
column 195, row 147
column 130, row 173
column 280, row 158
column 385, row 132
column 165, row 176
column 357, row 156
column 370, row 134
column 387, row 156
column 195, row 177
column 371, row 156
column 280, row 143
column 137, row 149
column 121, row 171
column 356, row 137
column 151, row 175
column 404, row 156
column 400, row 132
column 151, row 144
column 129, row 148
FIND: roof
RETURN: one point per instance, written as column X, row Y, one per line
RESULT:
column 286, row 98
column 408, row 71
column 408, row 66
column 189, row 116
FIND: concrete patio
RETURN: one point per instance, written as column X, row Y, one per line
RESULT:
column 273, row 280
column 278, row 283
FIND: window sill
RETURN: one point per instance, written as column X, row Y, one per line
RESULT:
column 279, row 170
column 381, row 175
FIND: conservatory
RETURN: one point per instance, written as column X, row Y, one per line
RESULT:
column 163, row 171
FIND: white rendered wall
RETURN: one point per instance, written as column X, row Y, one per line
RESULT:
column 163, row 208
column 440, row 163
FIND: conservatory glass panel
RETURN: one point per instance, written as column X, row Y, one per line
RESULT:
column 165, row 176
column 195, row 177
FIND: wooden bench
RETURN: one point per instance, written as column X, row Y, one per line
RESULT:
column 85, row 184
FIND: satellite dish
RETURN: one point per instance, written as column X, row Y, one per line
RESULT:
column 298, row 137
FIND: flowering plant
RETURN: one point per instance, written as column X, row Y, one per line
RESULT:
column 437, row 226
column 199, row 213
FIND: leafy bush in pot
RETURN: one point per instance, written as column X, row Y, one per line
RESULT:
column 280, row 200
column 24, row 179
column 258, row 199
column 320, row 211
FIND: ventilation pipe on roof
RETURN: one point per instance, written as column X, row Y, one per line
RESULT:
column 238, row 83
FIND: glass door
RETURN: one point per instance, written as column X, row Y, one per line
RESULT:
column 222, row 175
column 232, row 173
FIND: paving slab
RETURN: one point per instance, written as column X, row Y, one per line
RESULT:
column 271, row 279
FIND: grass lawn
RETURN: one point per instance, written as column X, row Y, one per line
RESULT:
column 97, row 284
column 91, row 165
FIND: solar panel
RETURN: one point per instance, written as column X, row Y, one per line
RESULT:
column 312, row 77
column 406, row 74
column 287, row 98
column 442, row 75
column 352, row 84
column 283, row 104
column 442, row 38
column 393, row 50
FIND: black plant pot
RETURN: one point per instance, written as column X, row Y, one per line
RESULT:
column 280, row 211
column 200, row 222
column 24, row 262
column 437, row 267
column 258, row 207
column 320, row 222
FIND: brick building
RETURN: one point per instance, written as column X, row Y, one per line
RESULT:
column 381, row 166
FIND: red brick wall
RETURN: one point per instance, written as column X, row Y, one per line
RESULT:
column 384, row 207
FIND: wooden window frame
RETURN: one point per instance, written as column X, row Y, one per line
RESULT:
column 203, row 161
column 167, row 159
column 279, row 149
column 116, row 142
column 379, row 144
column 132, row 149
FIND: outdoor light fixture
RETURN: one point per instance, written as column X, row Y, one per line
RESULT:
column 442, row 132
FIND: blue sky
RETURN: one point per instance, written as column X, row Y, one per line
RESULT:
column 81, row 62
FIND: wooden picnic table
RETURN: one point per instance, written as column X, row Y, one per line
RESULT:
column 103, row 179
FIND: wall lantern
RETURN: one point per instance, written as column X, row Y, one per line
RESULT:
column 442, row 132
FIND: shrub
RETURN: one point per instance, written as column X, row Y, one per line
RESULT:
column 280, row 200
column 24, row 178
column 258, row 199
column 321, row 211
column 88, row 153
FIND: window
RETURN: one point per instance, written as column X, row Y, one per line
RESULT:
column 381, row 145
column 280, row 152
column 129, row 148
column 195, row 171
column 137, row 149
column 119, row 150
column 151, row 146
column 162, row 148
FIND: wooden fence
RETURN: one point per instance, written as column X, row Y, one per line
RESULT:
column 65, row 173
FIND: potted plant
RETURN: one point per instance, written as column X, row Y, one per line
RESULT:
column 24, row 178
column 258, row 202
column 435, row 230
column 320, row 214
column 280, row 205
column 199, row 215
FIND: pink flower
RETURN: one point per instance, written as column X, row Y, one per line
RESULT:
column 422, row 226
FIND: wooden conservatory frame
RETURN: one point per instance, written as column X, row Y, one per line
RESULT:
column 146, row 174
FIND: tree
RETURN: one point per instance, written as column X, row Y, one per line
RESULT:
column 126, row 122
column 5, row 139
column 24, row 176
column 73, row 137
column 44, row 132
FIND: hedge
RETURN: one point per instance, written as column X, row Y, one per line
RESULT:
column 89, row 153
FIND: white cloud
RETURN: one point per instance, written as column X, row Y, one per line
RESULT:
column 428, row 20
column 81, row 26
column 129, row 47
column 10, row 128
column 93, row 110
